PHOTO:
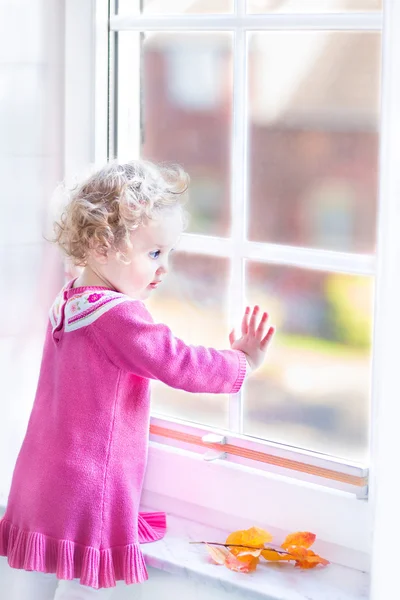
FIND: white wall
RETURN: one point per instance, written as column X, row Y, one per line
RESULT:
column 31, row 163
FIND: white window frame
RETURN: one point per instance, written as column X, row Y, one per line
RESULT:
column 221, row 491
column 236, row 248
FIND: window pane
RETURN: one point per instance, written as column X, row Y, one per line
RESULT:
column 312, row 6
column 313, row 149
column 313, row 390
column 192, row 301
column 187, row 104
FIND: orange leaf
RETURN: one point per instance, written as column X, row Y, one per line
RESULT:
column 253, row 537
column 218, row 554
column 301, row 538
column 297, row 551
column 274, row 555
column 303, row 564
column 235, row 564
column 245, row 554
column 311, row 560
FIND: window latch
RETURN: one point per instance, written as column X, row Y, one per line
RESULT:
column 213, row 454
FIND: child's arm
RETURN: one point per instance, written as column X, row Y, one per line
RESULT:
column 134, row 343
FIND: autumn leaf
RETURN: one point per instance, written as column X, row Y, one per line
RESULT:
column 311, row 560
column 218, row 554
column 304, row 539
column 251, row 538
column 297, row 551
column 275, row 555
column 222, row 556
column 235, row 563
column 243, row 549
column 245, row 555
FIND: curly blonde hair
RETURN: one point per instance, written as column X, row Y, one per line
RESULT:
column 103, row 211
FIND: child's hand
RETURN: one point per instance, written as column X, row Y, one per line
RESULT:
column 254, row 341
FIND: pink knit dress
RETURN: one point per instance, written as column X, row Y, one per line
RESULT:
column 73, row 507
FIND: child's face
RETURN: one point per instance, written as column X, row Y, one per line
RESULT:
column 148, row 258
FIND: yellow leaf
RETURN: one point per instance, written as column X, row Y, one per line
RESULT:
column 301, row 538
column 218, row 553
column 248, row 552
column 252, row 538
column 274, row 555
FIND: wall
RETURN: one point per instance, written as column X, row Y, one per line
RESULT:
column 31, row 163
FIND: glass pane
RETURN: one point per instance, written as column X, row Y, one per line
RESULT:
column 192, row 301
column 312, row 6
column 313, row 150
column 175, row 7
column 313, row 390
column 187, row 105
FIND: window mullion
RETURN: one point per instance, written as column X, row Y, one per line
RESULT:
column 293, row 256
column 269, row 21
column 238, row 200
column 310, row 258
column 240, row 8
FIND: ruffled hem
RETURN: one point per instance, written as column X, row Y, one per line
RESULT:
column 95, row 568
column 151, row 527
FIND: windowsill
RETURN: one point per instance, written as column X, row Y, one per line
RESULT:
column 230, row 496
column 175, row 555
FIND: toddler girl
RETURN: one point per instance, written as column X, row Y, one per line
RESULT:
column 73, row 508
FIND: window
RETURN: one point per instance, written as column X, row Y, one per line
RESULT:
column 278, row 127
column 293, row 159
